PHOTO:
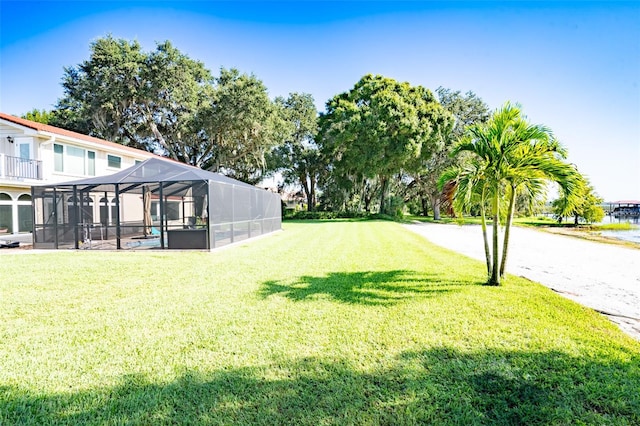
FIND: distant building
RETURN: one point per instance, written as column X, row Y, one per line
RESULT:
column 623, row 208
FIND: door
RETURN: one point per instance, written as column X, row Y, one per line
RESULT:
column 25, row 166
column 23, row 148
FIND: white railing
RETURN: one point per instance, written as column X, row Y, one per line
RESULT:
column 20, row 168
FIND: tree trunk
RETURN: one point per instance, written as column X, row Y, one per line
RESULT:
column 507, row 228
column 307, row 191
column 311, row 198
column 156, row 133
column 485, row 237
column 425, row 206
column 435, row 204
column 495, row 269
column 383, row 191
column 367, row 202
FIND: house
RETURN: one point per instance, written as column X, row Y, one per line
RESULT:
column 77, row 191
column 33, row 154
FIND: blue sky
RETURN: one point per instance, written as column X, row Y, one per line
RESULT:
column 573, row 66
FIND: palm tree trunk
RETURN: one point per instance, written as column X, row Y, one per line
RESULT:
column 483, row 218
column 507, row 228
column 495, row 275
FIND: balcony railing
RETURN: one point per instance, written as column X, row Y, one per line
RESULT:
column 20, row 168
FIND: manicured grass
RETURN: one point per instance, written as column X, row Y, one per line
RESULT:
column 623, row 226
column 545, row 222
column 341, row 322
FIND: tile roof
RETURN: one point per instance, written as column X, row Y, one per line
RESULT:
column 40, row 127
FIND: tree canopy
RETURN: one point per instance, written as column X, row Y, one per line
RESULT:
column 580, row 203
column 379, row 129
column 165, row 102
column 467, row 109
column 298, row 158
column 508, row 155
column 380, row 146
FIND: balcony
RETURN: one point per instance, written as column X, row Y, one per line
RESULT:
column 20, row 168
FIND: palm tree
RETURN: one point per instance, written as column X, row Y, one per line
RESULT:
column 509, row 155
column 466, row 187
column 539, row 159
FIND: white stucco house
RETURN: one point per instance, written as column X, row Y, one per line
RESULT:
column 34, row 154
column 77, row 191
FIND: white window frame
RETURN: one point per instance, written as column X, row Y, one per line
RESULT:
column 119, row 162
column 66, row 160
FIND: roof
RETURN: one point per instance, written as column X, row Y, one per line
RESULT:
column 625, row 202
column 46, row 128
column 153, row 170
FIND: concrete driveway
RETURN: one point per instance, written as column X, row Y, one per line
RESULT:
column 600, row 276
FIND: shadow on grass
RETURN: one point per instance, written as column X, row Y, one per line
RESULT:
column 435, row 386
column 367, row 288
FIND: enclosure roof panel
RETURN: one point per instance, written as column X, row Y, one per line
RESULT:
column 155, row 170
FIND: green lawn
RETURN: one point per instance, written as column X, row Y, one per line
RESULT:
column 343, row 322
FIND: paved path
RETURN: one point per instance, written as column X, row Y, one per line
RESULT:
column 601, row 276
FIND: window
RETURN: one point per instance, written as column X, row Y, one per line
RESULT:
column 108, row 211
column 74, row 163
column 6, row 213
column 114, row 162
column 73, row 160
column 25, row 214
column 25, row 151
column 172, row 210
column 91, row 163
column 87, row 210
column 58, row 158
column 104, row 211
column 114, row 210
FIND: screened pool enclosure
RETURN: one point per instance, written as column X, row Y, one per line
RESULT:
column 156, row 204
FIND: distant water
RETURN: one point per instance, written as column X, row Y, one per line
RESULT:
column 632, row 235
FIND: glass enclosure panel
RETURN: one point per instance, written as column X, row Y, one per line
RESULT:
column 242, row 204
column 150, row 215
column 240, row 231
column 221, row 205
column 221, row 235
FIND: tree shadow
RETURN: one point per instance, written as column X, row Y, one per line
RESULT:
column 433, row 386
column 367, row 288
